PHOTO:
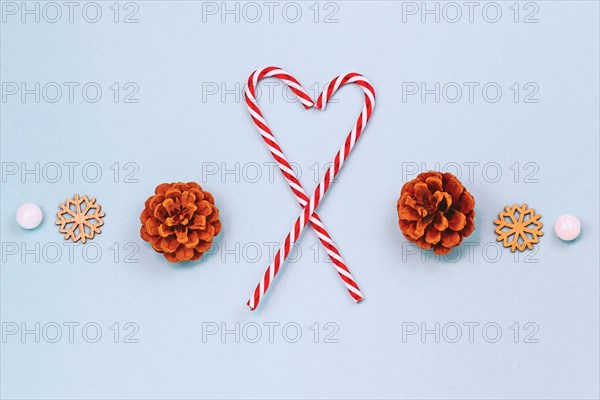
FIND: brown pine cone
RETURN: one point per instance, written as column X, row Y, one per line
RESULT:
column 436, row 211
column 180, row 221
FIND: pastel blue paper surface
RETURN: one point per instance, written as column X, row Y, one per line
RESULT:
column 111, row 99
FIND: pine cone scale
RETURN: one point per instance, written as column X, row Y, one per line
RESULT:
column 168, row 244
column 422, row 193
column 434, row 183
column 440, row 222
column 450, row 238
column 409, row 214
column 467, row 202
column 454, row 188
column 422, row 224
column 442, row 200
column 152, row 226
column 456, row 220
column 433, row 235
column 199, row 222
column 193, row 240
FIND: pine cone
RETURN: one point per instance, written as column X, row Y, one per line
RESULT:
column 436, row 211
column 180, row 221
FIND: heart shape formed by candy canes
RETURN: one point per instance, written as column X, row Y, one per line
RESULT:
column 309, row 205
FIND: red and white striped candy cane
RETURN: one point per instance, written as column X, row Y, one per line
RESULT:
column 332, row 171
column 286, row 168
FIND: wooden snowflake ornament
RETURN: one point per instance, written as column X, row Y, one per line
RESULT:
column 518, row 227
column 80, row 218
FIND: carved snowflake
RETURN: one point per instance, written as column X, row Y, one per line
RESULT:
column 76, row 218
column 518, row 227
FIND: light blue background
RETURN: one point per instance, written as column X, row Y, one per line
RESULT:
column 172, row 135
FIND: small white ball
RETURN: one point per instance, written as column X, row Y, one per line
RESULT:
column 29, row 215
column 567, row 227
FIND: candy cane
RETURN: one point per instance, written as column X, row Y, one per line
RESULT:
column 331, row 173
column 286, row 168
